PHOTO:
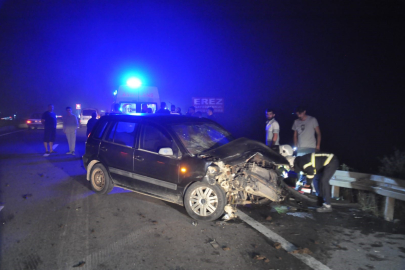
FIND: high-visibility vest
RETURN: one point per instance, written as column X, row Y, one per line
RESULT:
column 312, row 162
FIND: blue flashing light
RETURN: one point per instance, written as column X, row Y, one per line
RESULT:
column 134, row 82
column 120, row 109
column 115, row 92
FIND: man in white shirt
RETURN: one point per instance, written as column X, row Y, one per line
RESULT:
column 305, row 128
column 272, row 130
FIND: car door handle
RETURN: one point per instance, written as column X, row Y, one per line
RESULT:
column 139, row 158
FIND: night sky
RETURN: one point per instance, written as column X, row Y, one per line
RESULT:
column 343, row 60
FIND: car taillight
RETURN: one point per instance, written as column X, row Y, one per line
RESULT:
column 29, row 122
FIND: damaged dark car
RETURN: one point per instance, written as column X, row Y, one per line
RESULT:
column 189, row 161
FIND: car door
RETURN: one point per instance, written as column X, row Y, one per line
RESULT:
column 160, row 173
column 117, row 150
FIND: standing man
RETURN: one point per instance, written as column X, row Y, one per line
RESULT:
column 91, row 123
column 70, row 124
column 163, row 109
column 272, row 130
column 144, row 108
column 49, row 121
column 191, row 111
column 173, row 110
column 210, row 114
column 305, row 128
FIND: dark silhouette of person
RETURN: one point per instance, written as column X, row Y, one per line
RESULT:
column 163, row 109
column 91, row 123
column 210, row 114
column 191, row 111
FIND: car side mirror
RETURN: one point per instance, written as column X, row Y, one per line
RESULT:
column 166, row 151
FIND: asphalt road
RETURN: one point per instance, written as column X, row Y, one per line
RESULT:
column 52, row 220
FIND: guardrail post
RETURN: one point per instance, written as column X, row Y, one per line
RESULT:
column 389, row 209
column 335, row 191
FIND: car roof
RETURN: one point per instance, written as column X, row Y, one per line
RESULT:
column 158, row 118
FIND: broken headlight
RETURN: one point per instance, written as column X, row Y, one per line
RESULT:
column 212, row 172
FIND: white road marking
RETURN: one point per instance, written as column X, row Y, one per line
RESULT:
column 1, row 207
column 305, row 258
column 11, row 133
column 53, row 148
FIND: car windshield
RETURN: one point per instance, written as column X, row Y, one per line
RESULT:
column 201, row 137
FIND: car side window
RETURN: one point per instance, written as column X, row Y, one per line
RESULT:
column 123, row 133
column 98, row 132
column 154, row 139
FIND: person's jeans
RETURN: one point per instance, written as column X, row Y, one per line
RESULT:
column 71, row 137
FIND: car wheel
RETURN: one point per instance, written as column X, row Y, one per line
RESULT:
column 100, row 180
column 204, row 202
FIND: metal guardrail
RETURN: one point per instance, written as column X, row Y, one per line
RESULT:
column 391, row 188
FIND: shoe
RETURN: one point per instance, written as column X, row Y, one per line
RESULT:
column 46, row 152
column 325, row 208
column 68, row 153
column 52, row 152
column 73, row 152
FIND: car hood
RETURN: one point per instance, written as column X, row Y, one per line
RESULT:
column 241, row 149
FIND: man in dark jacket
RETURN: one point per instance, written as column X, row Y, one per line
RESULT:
column 91, row 123
column 323, row 164
column 163, row 109
column 49, row 121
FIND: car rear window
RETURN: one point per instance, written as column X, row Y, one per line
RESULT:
column 123, row 133
column 99, row 130
column 88, row 112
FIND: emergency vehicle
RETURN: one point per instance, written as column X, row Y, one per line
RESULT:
column 130, row 100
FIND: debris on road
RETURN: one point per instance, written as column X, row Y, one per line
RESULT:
column 25, row 196
column 80, row 264
column 221, row 223
column 277, row 245
column 301, row 215
column 282, row 209
column 259, row 257
column 194, row 223
column 154, row 222
column 226, row 248
column 214, row 244
column 301, row 251
column 269, row 218
column 266, row 260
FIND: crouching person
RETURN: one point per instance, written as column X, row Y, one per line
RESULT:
column 323, row 164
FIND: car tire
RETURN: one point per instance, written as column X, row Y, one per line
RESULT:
column 204, row 202
column 100, row 180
